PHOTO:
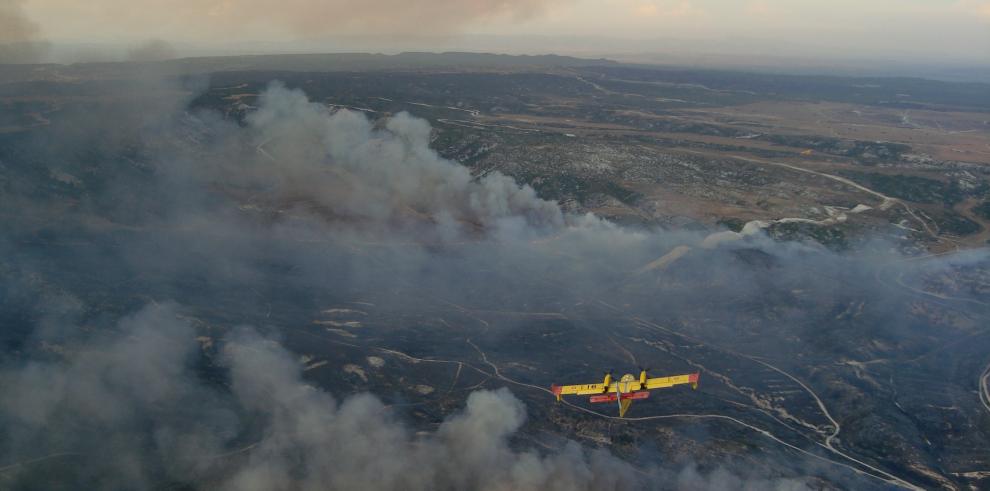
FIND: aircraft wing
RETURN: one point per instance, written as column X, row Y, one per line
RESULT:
column 663, row 382
column 628, row 387
column 581, row 389
column 598, row 388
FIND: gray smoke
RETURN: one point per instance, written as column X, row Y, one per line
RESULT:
column 301, row 199
column 129, row 410
column 151, row 50
column 722, row 479
column 315, row 443
column 308, row 19
column 384, row 175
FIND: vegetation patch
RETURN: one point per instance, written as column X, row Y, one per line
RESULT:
column 983, row 209
column 910, row 188
column 955, row 224
column 831, row 237
column 733, row 224
column 865, row 152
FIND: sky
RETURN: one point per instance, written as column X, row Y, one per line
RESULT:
column 896, row 29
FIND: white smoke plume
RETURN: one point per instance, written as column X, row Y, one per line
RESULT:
column 382, row 174
column 130, row 410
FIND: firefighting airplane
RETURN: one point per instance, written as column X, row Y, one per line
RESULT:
column 626, row 390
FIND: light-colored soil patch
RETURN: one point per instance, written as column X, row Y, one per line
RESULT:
column 205, row 342
column 338, row 323
column 343, row 312
column 945, row 135
column 314, row 365
column 356, row 370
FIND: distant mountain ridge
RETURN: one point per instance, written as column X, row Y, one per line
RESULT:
column 327, row 62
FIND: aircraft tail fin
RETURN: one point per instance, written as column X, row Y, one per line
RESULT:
column 624, row 406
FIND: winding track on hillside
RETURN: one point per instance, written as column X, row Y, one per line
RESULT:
column 827, row 444
column 858, row 466
column 885, row 203
column 880, row 474
column 985, row 388
column 497, row 373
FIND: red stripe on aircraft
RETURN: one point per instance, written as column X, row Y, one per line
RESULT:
column 643, row 394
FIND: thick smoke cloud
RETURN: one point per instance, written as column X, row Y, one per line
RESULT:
column 302, row 177
column 383, row 175
column 128, row 412
column 19, row 37
column 15, row 27
column 358, row 445
column 297, row 197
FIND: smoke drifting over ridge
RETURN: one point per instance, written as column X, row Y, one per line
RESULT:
column 332, row 202
column 385, row 174
column 14, row 26
column 151, row 50
column 20, row 40
column 291, row 18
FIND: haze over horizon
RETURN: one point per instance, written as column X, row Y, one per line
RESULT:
column 919, row 31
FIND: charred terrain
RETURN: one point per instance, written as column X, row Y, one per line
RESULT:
column 207, row 265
